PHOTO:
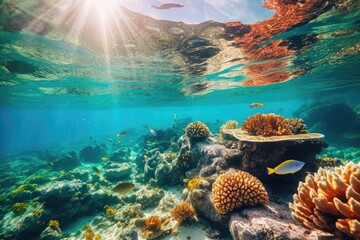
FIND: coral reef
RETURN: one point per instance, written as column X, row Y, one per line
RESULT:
column 195, row 183
column 236, row 189
column 197, row 131
column 117, row 171
column 329, row 201
column 109, row 211
column 297, row 125
column 92, row 154
column 89, row 233
column 231, row 124
column 183, row 211
column 152, row 223
column 20, row 207
column 266, row 125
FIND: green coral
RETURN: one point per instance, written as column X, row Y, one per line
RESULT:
column 24, row 187
column 20, row 207
column 197, row 131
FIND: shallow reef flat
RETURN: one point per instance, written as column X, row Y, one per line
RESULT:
column 176, row 184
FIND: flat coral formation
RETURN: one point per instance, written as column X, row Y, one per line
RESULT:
column 231, row 124
column 329, row 201
column 237, row 189
column 183, row 211
column 267, row 125
column 197, row 130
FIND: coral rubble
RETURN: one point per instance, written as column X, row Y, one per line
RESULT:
column 329, row 201
column 236, row 189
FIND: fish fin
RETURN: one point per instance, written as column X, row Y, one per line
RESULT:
column 270, row 170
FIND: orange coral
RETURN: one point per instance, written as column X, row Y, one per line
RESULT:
column 267, row 125
column 182, row 212
column 329, row 201
column 152, row 223
column 197, row 130
column 236, row 189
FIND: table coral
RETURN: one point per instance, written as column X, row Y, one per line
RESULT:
column 197, row 131
column 329, row 201
column 236, row 189
column 267, row 125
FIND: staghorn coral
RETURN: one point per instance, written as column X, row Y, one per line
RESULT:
column 231, row 124
column 267, row 125
column 20, row 207
column 329, row 201
column 236, row 189
column 183, row 211
column 297, row 125
column 197, row 131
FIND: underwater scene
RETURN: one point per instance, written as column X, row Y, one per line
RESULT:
column 179, row 120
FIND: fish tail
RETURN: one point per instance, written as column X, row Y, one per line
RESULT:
column 262, row 104
column 270, row 170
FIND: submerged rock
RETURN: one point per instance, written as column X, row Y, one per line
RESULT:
column 67, row 162
column 92, row 154
column 117, row 172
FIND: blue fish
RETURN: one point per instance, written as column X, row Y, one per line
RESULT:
column 286, row 167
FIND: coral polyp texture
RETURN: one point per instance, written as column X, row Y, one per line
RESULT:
column 197, row 131
column 267, row 125
column 237, row 189
column 152, row 223
column 231, row 124
column 297, row 125
column 329, row 201
column 183, row 211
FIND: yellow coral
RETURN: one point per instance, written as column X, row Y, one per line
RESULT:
column 236, row 189
column 197, row 131
column 231, row 124
column 89, row 234
column 267, row 125
column 20, row 207
column 54, row 223
column 195, row 183
column 24, row 187
column 329, row 201
column 109, row 211
column 182, row 212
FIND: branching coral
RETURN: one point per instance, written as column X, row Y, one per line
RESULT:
column 20, row 207
column 183, row 211
column 297, row 125
column 236, row 189
column 231, row 124
column 267, row 125
column 329, row 201
column 195, row 183
column 197, row 131
column 152, row 223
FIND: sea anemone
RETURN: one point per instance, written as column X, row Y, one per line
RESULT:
column 231, row 124
column 329, row 201
column 20, row 207
column 267, row 125
column 183, row 211
column 236, row 189
column 197, row 131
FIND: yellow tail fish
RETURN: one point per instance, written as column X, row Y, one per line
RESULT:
column 286, row 167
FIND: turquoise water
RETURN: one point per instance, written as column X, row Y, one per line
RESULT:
column 72, row 78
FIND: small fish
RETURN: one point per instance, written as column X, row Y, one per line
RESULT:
column 217, row 120
column 286, row 167
column 96, row 170
column 174, row 117
column 153, row 132
column 123, row 187
column 104, row 159
column 256, row 105
column 51, row 164
column 110, row 140
column 168, row 6
column 121, row 134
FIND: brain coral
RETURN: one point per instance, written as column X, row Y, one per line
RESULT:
column 236, row 189
column 197, row 130
column 329, row 201
column 267, row 125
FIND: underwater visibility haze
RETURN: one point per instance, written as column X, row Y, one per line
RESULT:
column 204, row 119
